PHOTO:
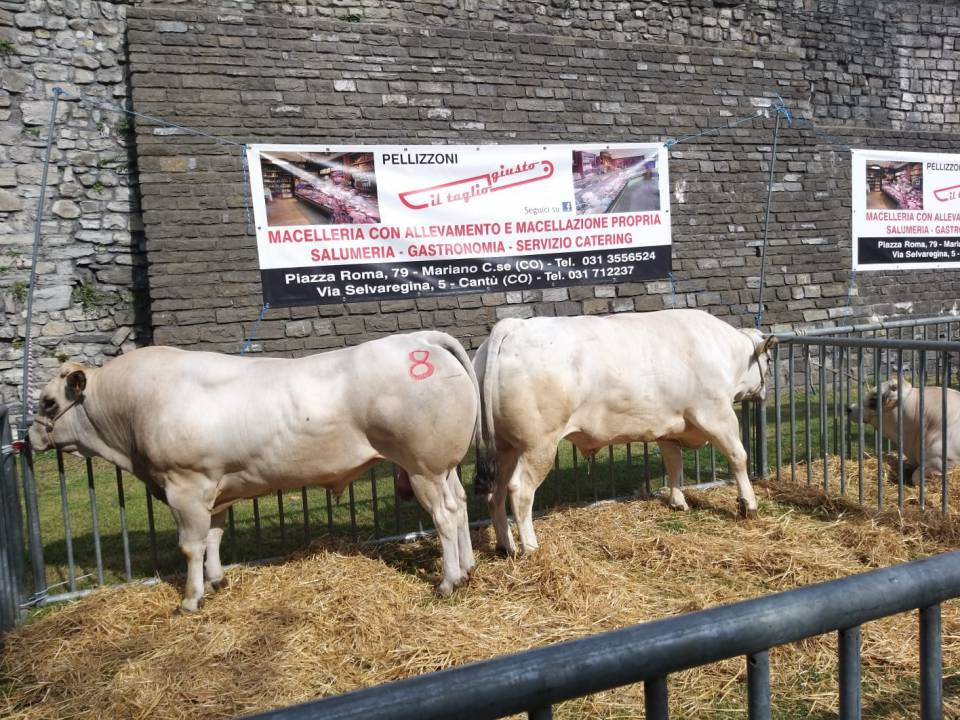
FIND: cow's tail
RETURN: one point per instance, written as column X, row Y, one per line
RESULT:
column 453, row 346
column 488, row 372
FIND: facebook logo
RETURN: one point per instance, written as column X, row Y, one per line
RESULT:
column 567, row 206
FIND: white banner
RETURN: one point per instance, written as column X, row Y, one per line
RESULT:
column 341, row 223
column 906, row 210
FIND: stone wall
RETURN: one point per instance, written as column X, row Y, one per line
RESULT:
column 90, row 300
column 869, row 74
column 293, row 78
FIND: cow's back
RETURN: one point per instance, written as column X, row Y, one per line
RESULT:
column 265, row 417
column 633, row 371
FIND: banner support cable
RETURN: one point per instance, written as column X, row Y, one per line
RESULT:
column 253, row 331
column 782, row 112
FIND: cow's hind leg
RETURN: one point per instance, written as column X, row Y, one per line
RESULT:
column 187, row 503
column 464, row 546
column 720, row 426
column 673, row 461
column 532, row 468
column 433, row 493
column 497, row 501
column 211, row 564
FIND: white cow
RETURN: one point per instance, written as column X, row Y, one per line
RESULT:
column 885, row 397
column 670, row 377
column 205, row 430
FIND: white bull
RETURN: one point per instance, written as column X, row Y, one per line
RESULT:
column 885, row 397
column 670, row 377
column 204, row 430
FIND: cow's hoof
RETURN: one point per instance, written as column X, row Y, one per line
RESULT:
column 190, row 605
column 445, row 588
column 463, row 581
column 216, row 585
column 679, row 507
column 745, row 512
column 501, row 551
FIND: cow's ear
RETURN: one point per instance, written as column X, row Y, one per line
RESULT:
column 889, row 397
column 77, row 382
column 768, row 342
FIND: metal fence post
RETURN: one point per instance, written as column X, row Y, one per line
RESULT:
column 33, row 524
column 758, row 685
column 11, row 531
column 931, row 664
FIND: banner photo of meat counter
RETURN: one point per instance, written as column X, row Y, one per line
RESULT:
column 906, row 210
column 352, row 223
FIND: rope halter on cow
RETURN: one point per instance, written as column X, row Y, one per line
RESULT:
column 48, row 423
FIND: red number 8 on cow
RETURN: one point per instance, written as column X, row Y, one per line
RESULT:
column 420, row 368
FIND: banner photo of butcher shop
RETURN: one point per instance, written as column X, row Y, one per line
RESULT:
column 353, row 223
column 906, row 210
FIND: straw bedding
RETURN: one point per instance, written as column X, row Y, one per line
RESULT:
column 339, row 617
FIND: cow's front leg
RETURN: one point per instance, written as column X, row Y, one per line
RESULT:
column 211, row 564
column 190, row 511
column 435, row 497
column 672, row 455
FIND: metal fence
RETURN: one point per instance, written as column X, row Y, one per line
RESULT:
column 89, row 525
column 535, row 680
column 816, row 378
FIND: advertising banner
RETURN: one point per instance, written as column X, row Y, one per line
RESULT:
column 906, row 210
column 352, row 223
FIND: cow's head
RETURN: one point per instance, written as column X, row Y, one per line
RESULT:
column 52, row 425
column 754, row 383
column 881, row 399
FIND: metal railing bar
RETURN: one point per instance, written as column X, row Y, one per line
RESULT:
column 232, row 532
column 374, row 503
column 923, row 427
column 793, row 417
column 778, row 423
column 900, row 478
column 914, row 345
column 35, row 541
column 807, row 429
column 256, row 525
column 839, row 417
column 865, row 327
column 758, row 685
column 860, row 432
column 931, row 664
column 655, row 703
column 651, row 651
column 824, row 448
column 67, row 530
column 878, row 436
column 944, row 468
column 305, row 503
column 124, row 534
column 353, row 512
column 95, row 520
column 848, row 649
